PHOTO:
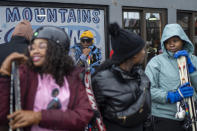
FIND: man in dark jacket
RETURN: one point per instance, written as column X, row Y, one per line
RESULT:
column 20, row 39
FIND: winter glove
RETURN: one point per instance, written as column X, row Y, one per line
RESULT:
column 191, row 67
column 183, row 91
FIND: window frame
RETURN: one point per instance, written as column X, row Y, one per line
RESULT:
column 143, row 11
column 191, row 26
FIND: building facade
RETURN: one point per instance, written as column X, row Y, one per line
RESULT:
column 144, row 17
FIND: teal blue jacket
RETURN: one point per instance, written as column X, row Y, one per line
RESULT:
column 162, row 70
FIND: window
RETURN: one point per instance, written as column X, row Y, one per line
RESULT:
column 148, row 23
column 195, row 25
column 153, row 34
column 132, row 21
column 184, row 19
column 188, row 21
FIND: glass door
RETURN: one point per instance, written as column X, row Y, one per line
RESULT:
column 153, row 34
column 131, row 21
column 148, row 23
column 184, row 19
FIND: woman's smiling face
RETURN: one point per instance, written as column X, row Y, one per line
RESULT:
column 37, row 51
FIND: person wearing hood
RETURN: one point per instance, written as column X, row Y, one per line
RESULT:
column 119, row 83
column 20, row 39
column 163, row 73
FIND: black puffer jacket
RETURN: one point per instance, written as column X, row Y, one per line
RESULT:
column 117, row 91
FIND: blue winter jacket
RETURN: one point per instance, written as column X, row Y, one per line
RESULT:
column 163, row 73
column 80, row 59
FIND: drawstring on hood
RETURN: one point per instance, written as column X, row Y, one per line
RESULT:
column 172, row 30
column 24, row 29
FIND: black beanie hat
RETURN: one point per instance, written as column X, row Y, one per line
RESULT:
column 125, row 44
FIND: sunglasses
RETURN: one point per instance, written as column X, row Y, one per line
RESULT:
column 86, row 40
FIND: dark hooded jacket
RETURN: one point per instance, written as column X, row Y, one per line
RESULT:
column 116, row 91
column 20, row 39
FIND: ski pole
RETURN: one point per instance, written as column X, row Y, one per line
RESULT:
column 15, row 91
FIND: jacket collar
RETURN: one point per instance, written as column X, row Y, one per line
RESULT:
column 19, row 40
column 125, row 74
